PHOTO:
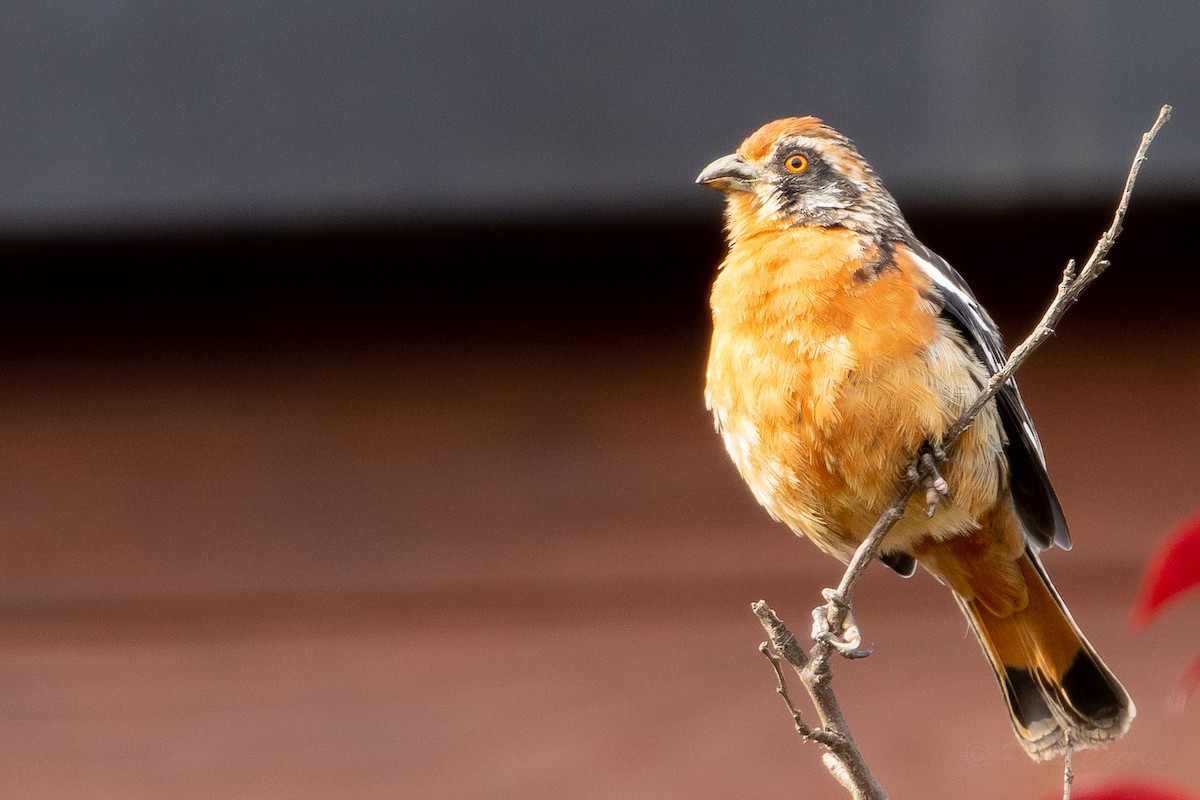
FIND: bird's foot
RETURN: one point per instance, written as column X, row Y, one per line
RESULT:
column 847, row 641
column 925, row 470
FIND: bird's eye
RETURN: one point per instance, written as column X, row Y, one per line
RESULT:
column 796, row 162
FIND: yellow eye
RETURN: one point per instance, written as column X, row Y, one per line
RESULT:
column 796, row 162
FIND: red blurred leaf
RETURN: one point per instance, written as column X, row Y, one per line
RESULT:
column 1133, row 790
column 1174, row 568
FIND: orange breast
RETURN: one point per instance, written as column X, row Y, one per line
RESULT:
column 825, row 380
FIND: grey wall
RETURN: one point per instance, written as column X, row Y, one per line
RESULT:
column 133, row 114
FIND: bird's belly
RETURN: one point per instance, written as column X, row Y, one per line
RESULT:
column 824, row 438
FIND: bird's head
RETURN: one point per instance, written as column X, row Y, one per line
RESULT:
column 799, row 171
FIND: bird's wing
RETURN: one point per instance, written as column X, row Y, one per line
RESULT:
column 1036, row 503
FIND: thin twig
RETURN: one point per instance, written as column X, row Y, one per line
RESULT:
column 1068, row 773
column 802, row 727
column 1072, row 286
column 844, row 760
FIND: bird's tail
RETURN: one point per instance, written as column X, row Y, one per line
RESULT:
column 1058, row 690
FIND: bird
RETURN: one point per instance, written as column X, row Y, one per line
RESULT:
column 842, row 349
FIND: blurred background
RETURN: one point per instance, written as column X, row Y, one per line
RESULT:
column 351, row 365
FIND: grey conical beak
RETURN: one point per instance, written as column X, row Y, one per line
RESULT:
column 728, row 174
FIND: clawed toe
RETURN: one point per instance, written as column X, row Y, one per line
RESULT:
column 848, row 641
column 927, row 472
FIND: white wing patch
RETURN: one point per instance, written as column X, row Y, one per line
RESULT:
column 947, row 286
column 982, row 322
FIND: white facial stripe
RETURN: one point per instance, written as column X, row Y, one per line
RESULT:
column 828, row 197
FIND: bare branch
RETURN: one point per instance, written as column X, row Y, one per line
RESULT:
column 1068, row 773
column 844, row 760
column 782, row 639
column 1072, row 286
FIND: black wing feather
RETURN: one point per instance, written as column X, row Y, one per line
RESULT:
column 1033, row 495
